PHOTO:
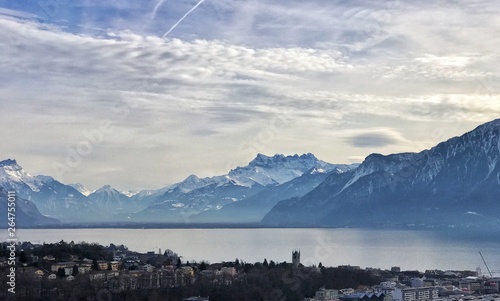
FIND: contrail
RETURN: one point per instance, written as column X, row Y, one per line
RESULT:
column 155, row 10
column 183, row 17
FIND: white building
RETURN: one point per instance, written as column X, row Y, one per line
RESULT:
column 415, row 294
column 326, row 295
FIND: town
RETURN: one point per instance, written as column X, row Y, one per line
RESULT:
column 87, row 271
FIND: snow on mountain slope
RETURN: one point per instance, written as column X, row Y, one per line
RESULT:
column 278, row 169
column 111, row 200
column 51, row 197
column 82, row 189
column 263, row 171
column 129, row 193
column 195, row 195
column 436, row 187
column 13, row 174
column 191, row 196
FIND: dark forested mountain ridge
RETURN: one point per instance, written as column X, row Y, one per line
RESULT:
column 457, row 182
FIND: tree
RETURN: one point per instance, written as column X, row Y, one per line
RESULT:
column 203, row 266
column 237, row 262
column 179, row 263
column 95, row 265
column 265, row 263
column 109, row 267
column 61, row 273
column 320, row 265
column 75, row 270
column 22, row 257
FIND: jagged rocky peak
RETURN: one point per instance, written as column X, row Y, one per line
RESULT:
column 44, row 179
column 375, row 159
column 105, row 188
column 81, row 188
column 10, row 165
column 191, row 179
column 264, row 161
column 8, row 162
column 487, row 131
column 10, row 170
column 494, row 124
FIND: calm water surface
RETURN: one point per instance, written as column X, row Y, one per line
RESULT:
column 419, row 250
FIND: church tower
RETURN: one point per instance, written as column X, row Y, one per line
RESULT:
column 296, row 258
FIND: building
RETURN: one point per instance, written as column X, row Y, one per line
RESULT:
column 39, row 273
column 386, row 288
column 229, row 271
column 492, row 285
column 326, row 295
column 414, row 293
column 49, row 258
column 115, row 265
column 148, row 268
column 365, row 297
column 84, row 268
column 66, row 266
column 296, row 258
column 103, row 265
column 470, row 284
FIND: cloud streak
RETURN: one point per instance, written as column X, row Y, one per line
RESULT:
column 349, row 79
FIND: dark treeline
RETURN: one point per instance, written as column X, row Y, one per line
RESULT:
column 62, row 251
column 219, row 281
column 254, row 282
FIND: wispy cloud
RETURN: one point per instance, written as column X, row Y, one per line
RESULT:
column 348, row 77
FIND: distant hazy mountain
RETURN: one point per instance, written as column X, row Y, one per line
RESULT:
column 82, row 189
column 195, row 195
column 454, row 183
column 51, row 197
column 26, row 213
column 67, row 203
column 254, row 208
column 111, row 201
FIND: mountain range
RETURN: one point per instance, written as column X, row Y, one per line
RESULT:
column 179, row 203
column 455, row 183
column 196, row 200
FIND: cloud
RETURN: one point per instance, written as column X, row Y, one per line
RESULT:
column 374, row 138
column 346, row 76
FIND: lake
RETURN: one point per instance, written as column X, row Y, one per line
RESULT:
column 408, row 249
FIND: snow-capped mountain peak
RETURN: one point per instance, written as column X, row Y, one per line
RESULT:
column 82, row 189
column 8, row 162
column 282, row 160
column 44, row 179
column 278, row 169
column 129, row 193
column 107, row 189
column 193, row 182
column 10, row 171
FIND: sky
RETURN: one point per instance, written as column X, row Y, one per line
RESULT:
column 141, row 94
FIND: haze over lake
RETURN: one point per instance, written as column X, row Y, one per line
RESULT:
column 408, row 249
